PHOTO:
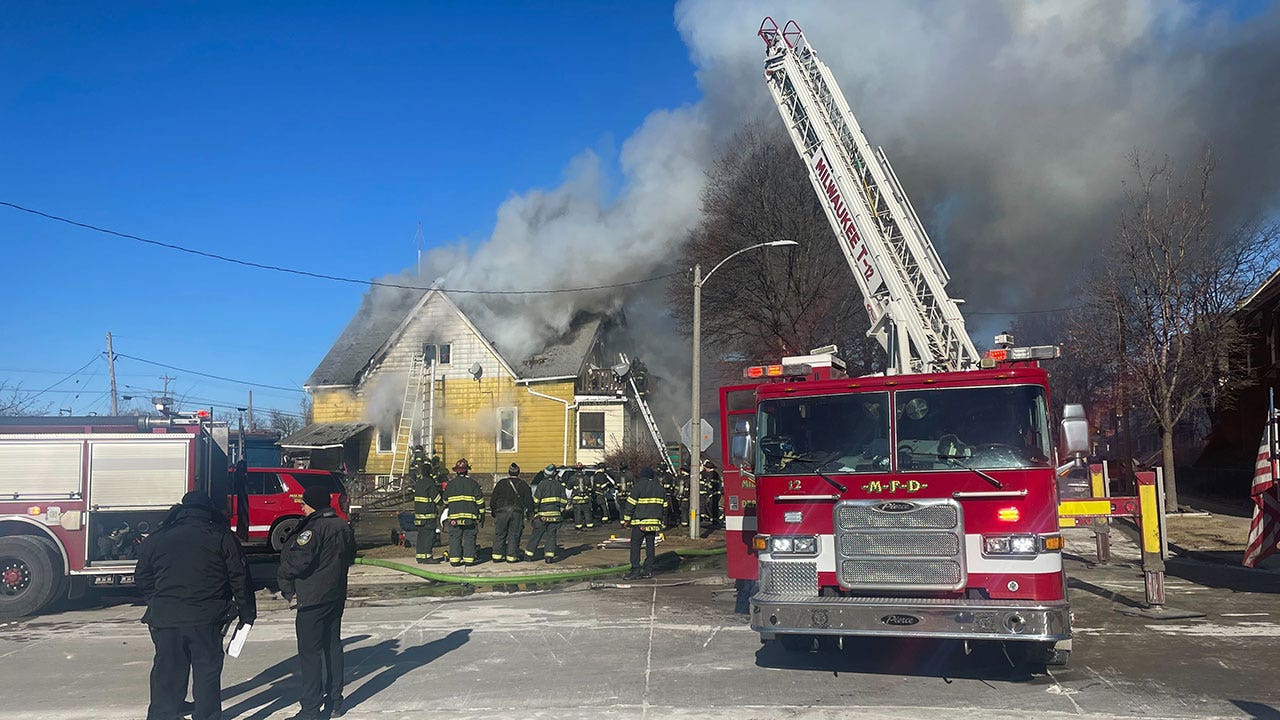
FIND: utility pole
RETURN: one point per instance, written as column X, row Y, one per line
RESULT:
column 166, row 379
column 250, row 411
column 111, row 371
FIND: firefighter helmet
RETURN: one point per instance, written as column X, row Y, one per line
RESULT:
column 462, row 466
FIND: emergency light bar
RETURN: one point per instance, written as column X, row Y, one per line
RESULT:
column 756, row 372
column 1019, row 354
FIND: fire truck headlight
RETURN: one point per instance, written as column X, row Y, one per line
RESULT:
column 1024, row 545
column 996, row 545
column 794, row 545
column 1015, row 544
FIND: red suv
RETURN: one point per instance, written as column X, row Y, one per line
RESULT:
column 275, row 501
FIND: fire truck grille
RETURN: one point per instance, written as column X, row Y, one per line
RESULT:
column 900, row 573
column 926, row 517
column 908, row 545
column 898, row 544
column 789, row 578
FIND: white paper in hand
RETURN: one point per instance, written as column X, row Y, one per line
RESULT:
column 235, row 640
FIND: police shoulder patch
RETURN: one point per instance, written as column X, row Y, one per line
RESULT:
column 304, row 537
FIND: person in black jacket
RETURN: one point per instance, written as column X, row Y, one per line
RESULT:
column 511, row 502
column 193, row 574
column 426, row 505
column 313, row 577
column 645, row 507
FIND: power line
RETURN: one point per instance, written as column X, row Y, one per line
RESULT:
column 322, row 276
column 68, row 377
column 208, row 375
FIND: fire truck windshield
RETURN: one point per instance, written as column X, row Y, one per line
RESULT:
column 840, row 433
column 988, row 427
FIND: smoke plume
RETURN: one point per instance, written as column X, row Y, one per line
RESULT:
column 1008, row 123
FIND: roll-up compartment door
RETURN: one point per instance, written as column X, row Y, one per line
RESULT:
column 40, row 469
column 131, row 474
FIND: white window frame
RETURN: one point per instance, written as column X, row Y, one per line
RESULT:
column 377, row 442
column 604, row 428
column 515, row 430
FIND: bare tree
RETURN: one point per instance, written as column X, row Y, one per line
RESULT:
column 14, row 401
column 1083, row 374
column 766, row 304
column 306, row 405
column 1166, row 293
column 284, row 424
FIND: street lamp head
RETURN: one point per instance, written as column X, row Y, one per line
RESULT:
column 782, row 243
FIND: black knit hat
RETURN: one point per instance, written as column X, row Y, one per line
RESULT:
column 195, row 498
column 646, row 472
column 514, row 469
column 316, row 497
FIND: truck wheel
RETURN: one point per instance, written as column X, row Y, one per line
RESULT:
column 29, row 579
column 281, row 532
column 796, row 643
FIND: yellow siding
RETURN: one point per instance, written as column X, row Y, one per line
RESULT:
column 467, row 423
column 336, row 405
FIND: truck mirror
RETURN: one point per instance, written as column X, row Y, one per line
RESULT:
column 749, row 453
column 1075, row 430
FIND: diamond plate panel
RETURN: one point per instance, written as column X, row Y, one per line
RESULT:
column 789, row 578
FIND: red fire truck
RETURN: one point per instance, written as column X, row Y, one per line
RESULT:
column 920, row 502
column 78, row 494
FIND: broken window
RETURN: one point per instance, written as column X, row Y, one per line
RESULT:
column 508, row 429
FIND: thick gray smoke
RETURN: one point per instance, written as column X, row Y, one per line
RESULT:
column 1008, row 123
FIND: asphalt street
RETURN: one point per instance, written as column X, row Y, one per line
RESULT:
column 675, row 651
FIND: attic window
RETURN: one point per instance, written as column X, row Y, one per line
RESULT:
column 443, row 352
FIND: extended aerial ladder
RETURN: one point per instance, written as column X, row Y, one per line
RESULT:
column 900, row 274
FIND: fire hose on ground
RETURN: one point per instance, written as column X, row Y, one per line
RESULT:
column 534, row 578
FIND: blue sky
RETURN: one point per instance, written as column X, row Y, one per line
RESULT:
column 303, row 134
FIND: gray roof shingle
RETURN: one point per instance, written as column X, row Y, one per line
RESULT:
column 383, row 310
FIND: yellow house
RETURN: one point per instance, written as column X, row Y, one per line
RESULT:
column 411, row 367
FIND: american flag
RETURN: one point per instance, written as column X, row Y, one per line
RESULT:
column 1264, row 531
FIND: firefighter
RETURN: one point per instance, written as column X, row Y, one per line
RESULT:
column 465, row 502
column 711, row 488
column 606, row 491
column 426, row 505
column 549, row 502
column 644, row 515
column 313, row 577
column 582, row 513
column 683, row 483
column 191, row 571
column 671, row 511
column 511, row 502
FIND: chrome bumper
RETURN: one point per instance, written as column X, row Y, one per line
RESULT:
column 773, row 615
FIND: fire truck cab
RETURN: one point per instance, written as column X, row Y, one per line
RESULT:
column 902, row 505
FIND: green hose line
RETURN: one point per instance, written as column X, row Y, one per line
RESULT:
column 517, row 579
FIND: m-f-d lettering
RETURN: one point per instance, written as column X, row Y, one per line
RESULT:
column 842, row 215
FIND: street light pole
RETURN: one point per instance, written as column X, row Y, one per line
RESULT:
column 695, row 423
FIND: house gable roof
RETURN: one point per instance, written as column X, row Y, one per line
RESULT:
column 385, row 314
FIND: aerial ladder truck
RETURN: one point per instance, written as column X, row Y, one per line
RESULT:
column 920, row 502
